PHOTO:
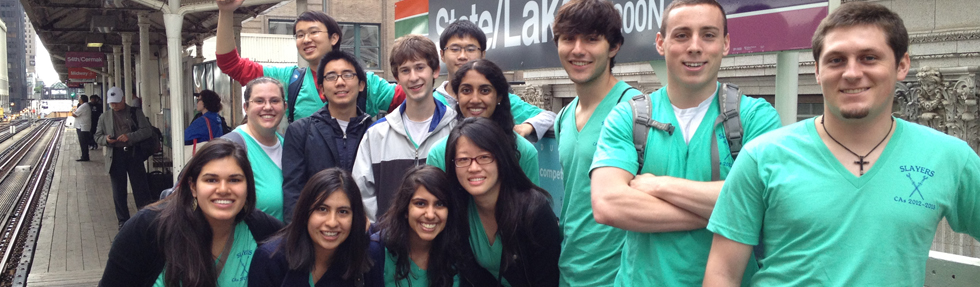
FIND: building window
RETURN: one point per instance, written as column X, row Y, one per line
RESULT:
column 281, row 27
column 364, row 41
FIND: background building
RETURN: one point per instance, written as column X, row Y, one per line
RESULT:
column 4, row 85
column 12, row 13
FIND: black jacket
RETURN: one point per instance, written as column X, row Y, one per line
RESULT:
column 136, row 258
column 536, row 264
column 270, row 268
column 316, row 143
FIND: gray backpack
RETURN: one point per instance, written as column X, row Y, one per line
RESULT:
column 728, row 115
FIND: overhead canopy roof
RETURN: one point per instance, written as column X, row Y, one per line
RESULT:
column 64, row 25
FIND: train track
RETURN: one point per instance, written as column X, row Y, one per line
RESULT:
column 5, row 129
column 26, row 169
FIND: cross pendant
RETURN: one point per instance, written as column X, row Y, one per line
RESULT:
column 861, row 162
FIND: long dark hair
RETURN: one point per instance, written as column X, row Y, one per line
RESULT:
column 501, row 114
column 299, row 249
column 518, row 197
column 184, row 233
column 395, row 231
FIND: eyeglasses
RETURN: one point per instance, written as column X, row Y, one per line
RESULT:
column 480, row 159
column 261, row 102
column 455, row 49
column 331, row 77
column 301, row 35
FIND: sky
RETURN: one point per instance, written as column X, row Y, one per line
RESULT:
column 45, row 70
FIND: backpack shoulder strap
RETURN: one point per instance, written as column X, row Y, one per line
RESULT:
column 642, row 122
column 728, row 116
column 236, row 138
column 295, row 83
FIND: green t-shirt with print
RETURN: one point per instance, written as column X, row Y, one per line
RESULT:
column 235, row 272
column 824, row 226
column 674, row 258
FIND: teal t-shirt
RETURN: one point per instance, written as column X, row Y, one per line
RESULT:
column 487, row 255
column 674, row 258
column 528, row 160
column 590, row 252
column 417, row 277
column 268, row 177
column 824, row 226
column 235, row 272
column 379, row 91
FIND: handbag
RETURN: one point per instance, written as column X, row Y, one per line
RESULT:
column 193, row 146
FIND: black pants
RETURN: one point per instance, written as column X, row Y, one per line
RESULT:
column 123, row 163
column 83, row 141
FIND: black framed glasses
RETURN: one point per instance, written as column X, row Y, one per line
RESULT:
column 467, row 161
column 334, row 76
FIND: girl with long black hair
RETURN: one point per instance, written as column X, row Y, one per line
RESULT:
column 510, row 229
column 420, row 232
column 201, row 235
column 325, row 244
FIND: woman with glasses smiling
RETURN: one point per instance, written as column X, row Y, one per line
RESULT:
column 510, row 229
column 329, row 137
column 264, row 109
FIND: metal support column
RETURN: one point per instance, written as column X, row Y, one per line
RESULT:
column 116, row 70
column 173, row 23
column 143, row 21
column 787, row 85
column 127, row 41
column 109, row 78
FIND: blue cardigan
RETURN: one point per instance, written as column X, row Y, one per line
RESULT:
column 199, row 128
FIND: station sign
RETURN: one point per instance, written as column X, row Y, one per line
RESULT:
column 519, row 34
column 81, row 75
column 84, row 59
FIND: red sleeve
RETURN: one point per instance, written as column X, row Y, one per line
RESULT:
column 398, row 99
column 241, row 70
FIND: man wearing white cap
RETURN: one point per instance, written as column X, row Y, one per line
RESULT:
column 119, row 129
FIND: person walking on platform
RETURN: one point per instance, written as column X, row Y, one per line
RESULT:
column 852, row 197
column 83, row 125
column 94, row 103
column 120, row 128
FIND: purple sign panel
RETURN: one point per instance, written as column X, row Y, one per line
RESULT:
column 83, row 59
column 519, row 34
column 766, row 26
